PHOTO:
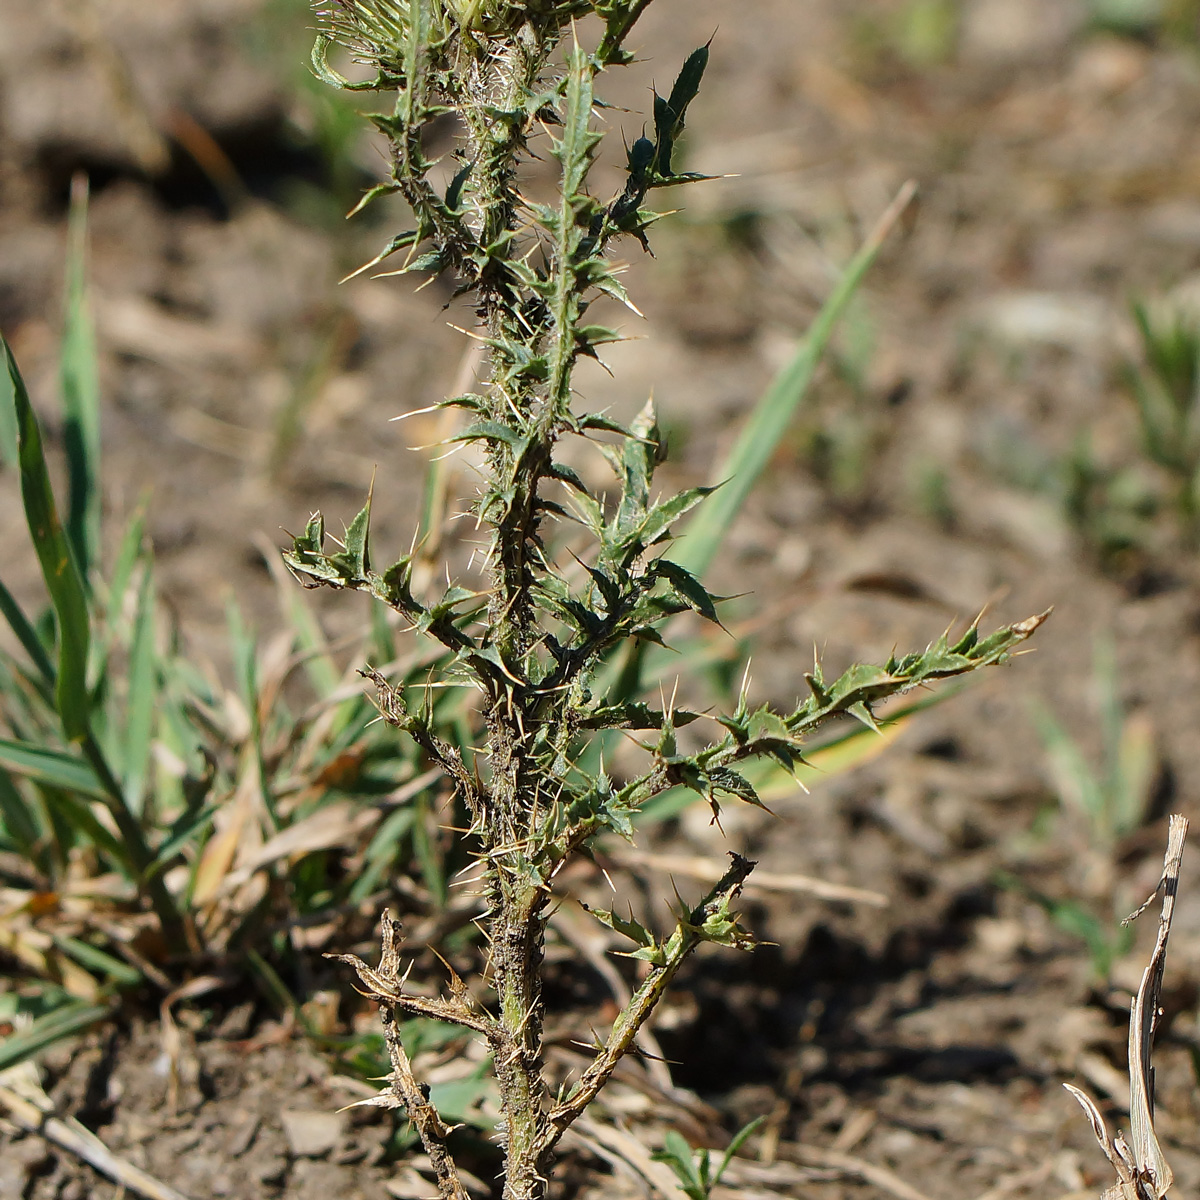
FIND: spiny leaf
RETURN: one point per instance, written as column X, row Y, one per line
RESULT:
column 669, row 113
column 729, row 781
column 371, row 194
column 356, row 558
column 399, row 242
column 649, row 948
column 693, row 592
column 658, row 521
column 491, row 431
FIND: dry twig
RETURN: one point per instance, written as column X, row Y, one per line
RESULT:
column 1142, row 1170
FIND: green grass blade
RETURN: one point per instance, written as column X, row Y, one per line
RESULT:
column 19, row 821
column 18, row 622
column 77, row 815
column 739, row 1140
column 95, row 959
column 80, row 393
column 131, row 549
column 9, row 455
column 427, row 852
column 188, row 829
column 47, row 1030
column 701, row 541
column 1074, row 780
column 59, row 568
column 382, row 853
column 244, row 650
column 53, row 768
column 142, row 702
column 319, row 664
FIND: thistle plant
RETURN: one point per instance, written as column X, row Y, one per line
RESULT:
column 550, row 640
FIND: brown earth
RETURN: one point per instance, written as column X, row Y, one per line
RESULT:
column 1058, row 168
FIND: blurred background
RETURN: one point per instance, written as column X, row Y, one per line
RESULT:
column 1008, row 419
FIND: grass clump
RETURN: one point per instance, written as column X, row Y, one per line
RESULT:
column 153, row 817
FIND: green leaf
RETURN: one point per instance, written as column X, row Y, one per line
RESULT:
column 491, row 431
column 355, row 560
column 699, row 544
column 9, row 455
column 459, row 1100
column 693, row 592
column 382, row 852
column 59, row 569
column 658, row 521
column 132, row 549
column 399, row 242
column 669, row 113
column 649, row 948
column 78, row 816
column 187, row 829
column 96, row 959
column 677, row 1155
column 45, row 1031
column 54, row 768
column 725, row 780
column 142, row 699
column 739, row 1140
column 19, row 819
column 81, row 395
column 373, row 193
column 26, row 635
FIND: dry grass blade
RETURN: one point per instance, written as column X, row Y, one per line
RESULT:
column 623, row 1150
column 1142, row 1169
column 708, row 869
column 68, row 1134
column 849, row 1164
column 1019, row 1181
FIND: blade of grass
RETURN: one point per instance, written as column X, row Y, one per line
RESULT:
column 69, row 597
column 59, row 568
column 428, row 854
column 381, row 853
column 77, row 816
column 142, row 702
column 243, row 646
column 80, row 393
column 185, row 830
column 47, row 1030
column 702, row 539
column 54, row 768
column 26, row 635
column 96, row 959
column 9, row 455
column 20, row 822
column 129, row 552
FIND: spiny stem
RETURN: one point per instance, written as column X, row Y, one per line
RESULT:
column 537, row 645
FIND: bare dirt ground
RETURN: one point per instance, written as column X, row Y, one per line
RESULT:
column 1058, row 168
